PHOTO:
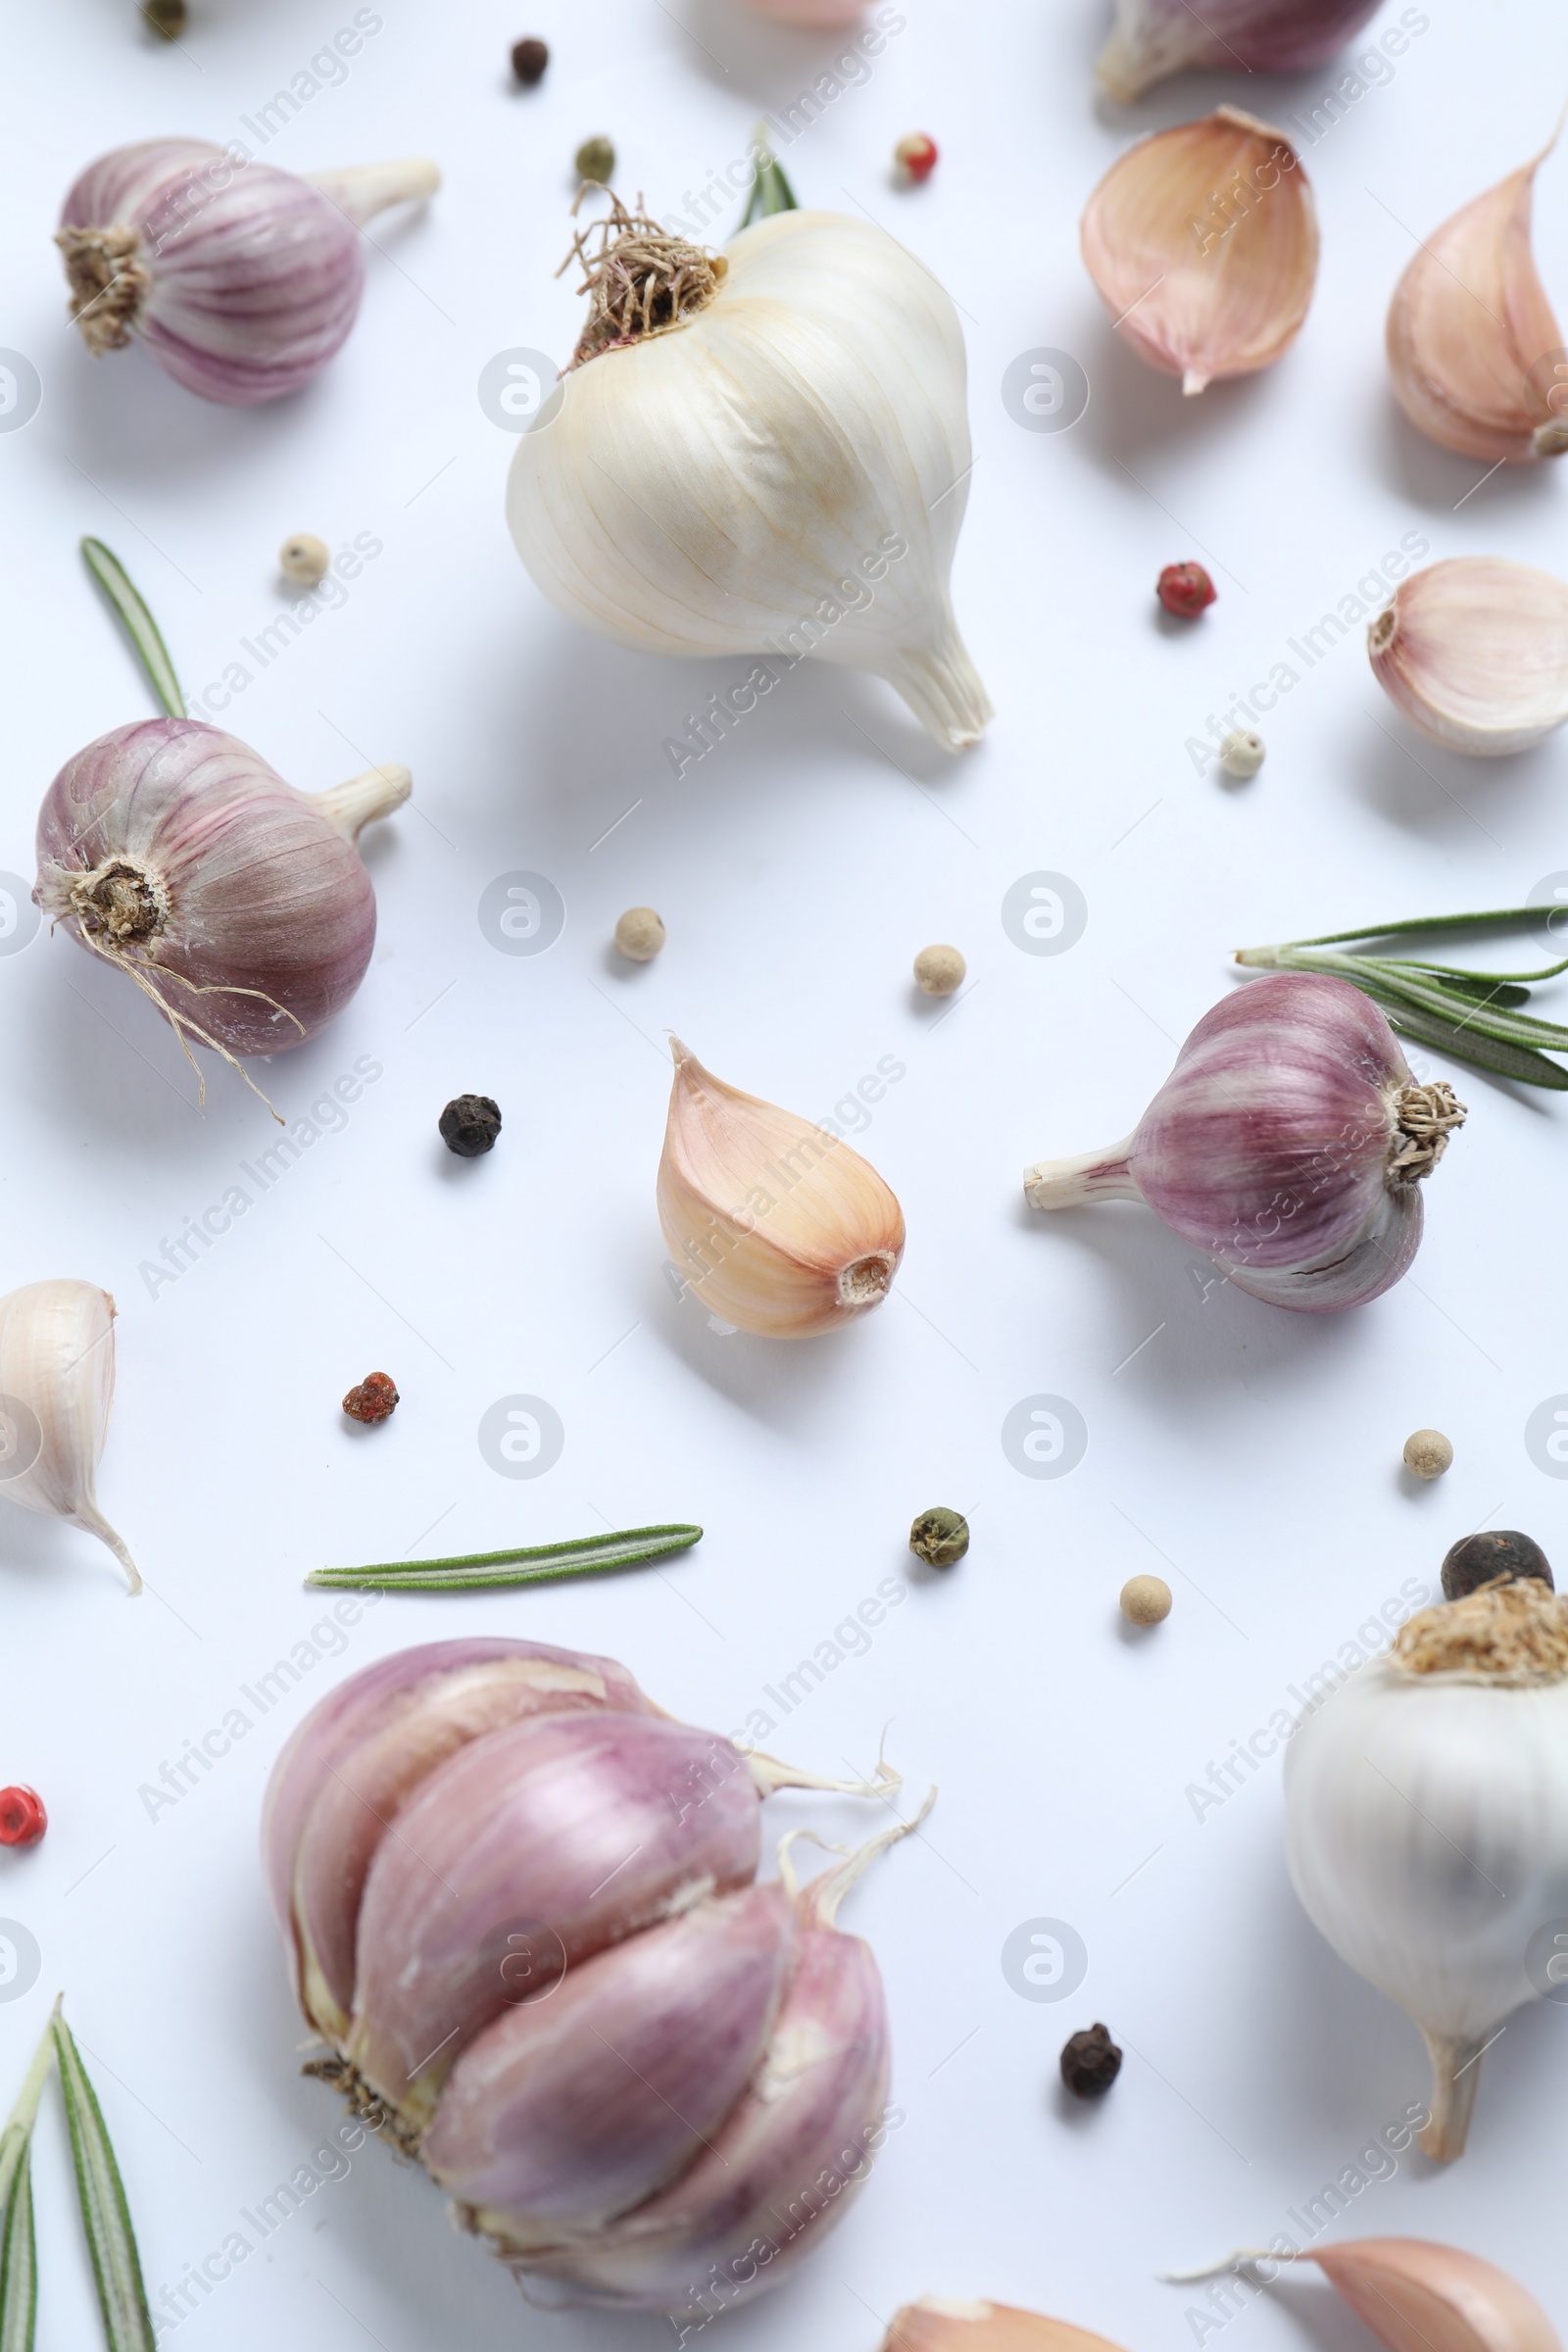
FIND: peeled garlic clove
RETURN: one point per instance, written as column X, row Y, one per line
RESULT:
column 1475, row 651
column 1289, row 1143
column 1202, row 241
column 777, row 1226
column 338, row 1838
column 934, row 2325
column 1418, row 2296
column 525, row 1852
column 1473, row 345
column 240, row 906
column 1155, row 38
column 57, row 1382
column 568, row 2111
column 242, row 280
column 781, row 471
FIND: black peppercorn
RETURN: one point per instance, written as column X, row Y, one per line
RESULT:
column 528, row 62
column 940, row 1537
column 470, row 1125
column 1090, row 2063
column 1500, row 1552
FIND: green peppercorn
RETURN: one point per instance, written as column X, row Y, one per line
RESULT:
column 1499, row 1552
column 166, row 18
column 595, row 160
column 940, row 1537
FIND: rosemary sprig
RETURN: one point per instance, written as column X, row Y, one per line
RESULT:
column 542, row 1564
column 1473, row 1016
column 141, row 628
column 19, row 2259
column 105, row 2215
column 770, row 190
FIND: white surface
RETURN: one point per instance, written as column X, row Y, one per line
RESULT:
column 798, row 871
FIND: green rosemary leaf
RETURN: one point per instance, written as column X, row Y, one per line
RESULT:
column 541, row 1564
column 1429, row 922
column 1488, row 1054
column 105, row 2215
column 1397, row 983
column 1486, row 988
column 771, row 190
column 140, row 626
column 19, row 2259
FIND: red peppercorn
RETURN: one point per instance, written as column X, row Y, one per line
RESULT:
column 916, row 155
column 1185, row 588
column 373, row 1398
column 23, row 1818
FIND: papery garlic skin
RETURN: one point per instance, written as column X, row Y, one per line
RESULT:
column 1474, row 347
column 1474, row 651
column 242, row 280
column 812, row 15
column 785, row 472
column 175, row 851
column 777, row 1226
column 1288, row 1144
column 938, row 2324
column 1426, row 1837
column 56, row 1383
column 1199, row 289
column 1414, row 2291
column 1155, row 38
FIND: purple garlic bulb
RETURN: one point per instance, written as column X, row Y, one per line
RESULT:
column 1289, row 1143
column 522, row 1908
column 242, row 279
column 1155, row 38
column 239, row 905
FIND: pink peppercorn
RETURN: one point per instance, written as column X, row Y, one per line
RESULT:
column 916, row 155
column 1185, row 589
column 23, row 1818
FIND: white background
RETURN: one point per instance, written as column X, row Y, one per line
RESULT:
column 798, row 869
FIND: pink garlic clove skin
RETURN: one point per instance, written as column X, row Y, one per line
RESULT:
column 246, row 884
column 528, row 1851
column 812, row 15
column 571, row 2109
column 1417, row 2295
column 358, row 1796
column 1273, row 1147
column 780, row 2173
column 1474, row 651
column 1156, row 38
column 244, row 280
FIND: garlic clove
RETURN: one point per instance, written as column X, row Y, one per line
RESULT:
column 1419, row 2296
column 777, row 1226
column 524, row 1853
column 338, row 1838
column 568, row 2111
column 1155, row 38
column 1473, row 650
column 1203, row 244
column 935, row 2325
column 56, row 1383
column 1473, row 345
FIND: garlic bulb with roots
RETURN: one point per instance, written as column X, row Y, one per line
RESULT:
column 57, row 1382
column 1474, row 651
column 1202, row 243
column 241, row 279
column 764, row 451
column 1289, row 1143
column 520, row 1905
column 779, row 1227
column 240, row 906
column 1155, row 38
column 1426, row 1806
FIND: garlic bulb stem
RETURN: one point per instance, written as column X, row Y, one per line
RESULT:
column 362, row 190
column 1082, row 1176
column 349, row 808
column 1455, row 2073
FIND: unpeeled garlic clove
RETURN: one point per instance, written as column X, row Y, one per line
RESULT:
column 1154, row 38
column 1475, row 353
column 1474, row 651
column 1202, row 242
column 777, row 1226
column 1419, row 2296
column 57, row 1382
column 934, row 2325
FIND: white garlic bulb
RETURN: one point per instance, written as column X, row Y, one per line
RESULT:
column 1474, row 651
column 777, row 1226
column 57, row 1381
column 765, row 451
column 1427, row 1823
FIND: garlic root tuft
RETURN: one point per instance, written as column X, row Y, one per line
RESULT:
column 640, row 282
